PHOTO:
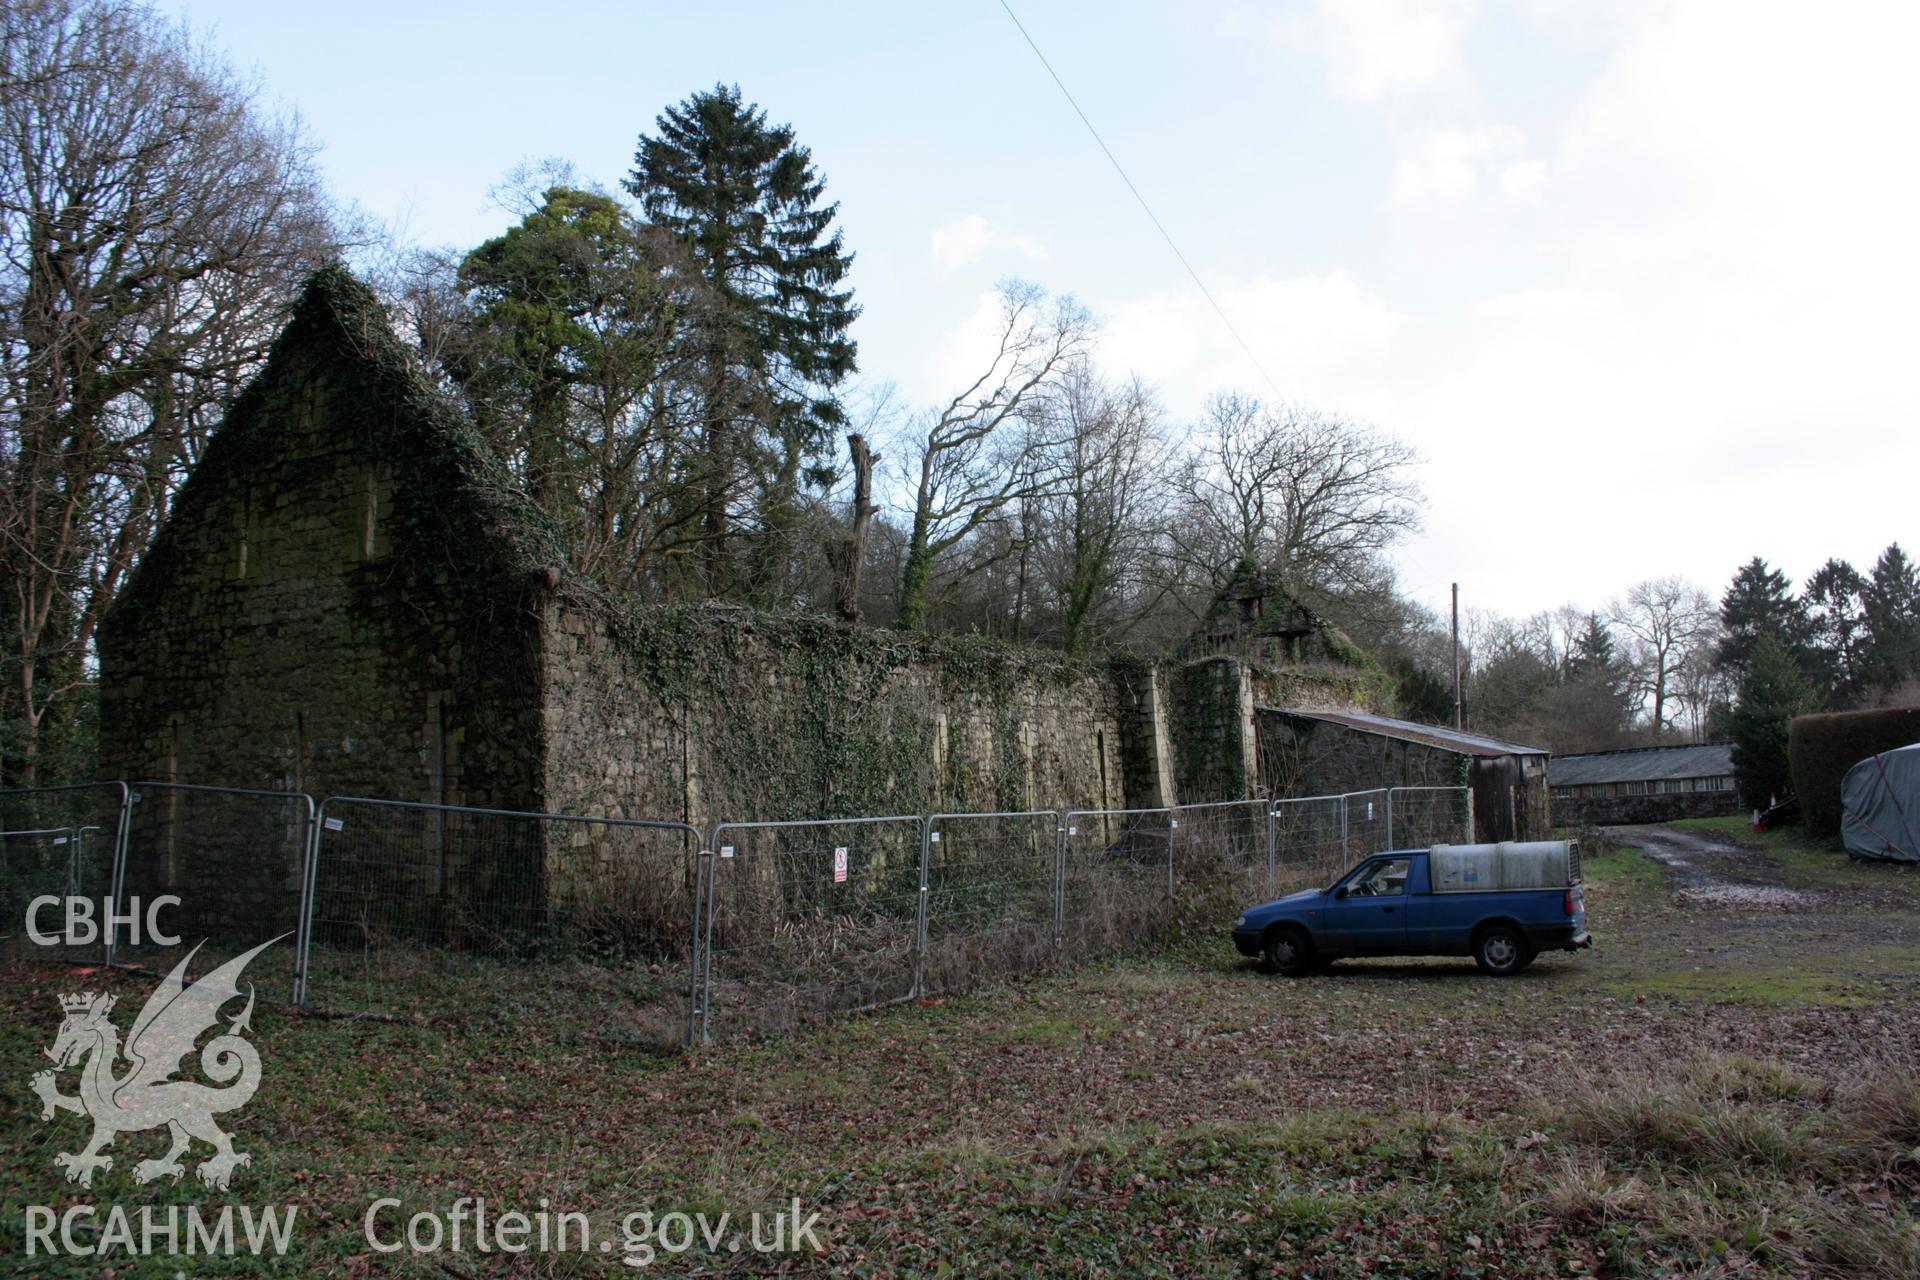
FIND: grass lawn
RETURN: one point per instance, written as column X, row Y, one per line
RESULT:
column 1705, row 1093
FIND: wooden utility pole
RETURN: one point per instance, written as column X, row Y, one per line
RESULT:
column 1459, row 719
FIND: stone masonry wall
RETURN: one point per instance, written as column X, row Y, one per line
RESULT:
column 1309, row 757
column 712, row 714
column 1605, row 811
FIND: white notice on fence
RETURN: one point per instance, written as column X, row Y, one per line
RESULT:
column 336, row 824
column 1369, row 811
column 726, row 851
column 840, row 865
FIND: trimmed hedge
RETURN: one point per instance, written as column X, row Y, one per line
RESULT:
column 1820, row 750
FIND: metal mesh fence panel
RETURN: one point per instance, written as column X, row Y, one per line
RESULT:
column 1425, row 816
column 583, row 924
column 35, row 863
column 1222, row 847
column 57, row 842
column 1309, row 847
column 1116, row 869
column 806, row 918
column 990, row 885
column 1364, row 823
column 235, row 858
column 639, row 930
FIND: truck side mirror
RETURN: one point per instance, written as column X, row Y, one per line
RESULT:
column 1341, row 892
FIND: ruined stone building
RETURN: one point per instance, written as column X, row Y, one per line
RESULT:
column 351, row 597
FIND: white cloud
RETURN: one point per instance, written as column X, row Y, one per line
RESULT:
column 1659, row 324
column 1321, row 337
column 1524, row 181
column 1382, row 48
column 962, row 354
column 1318, row 336
column 1715, row 338
column 966, row 240
column 1446, row 166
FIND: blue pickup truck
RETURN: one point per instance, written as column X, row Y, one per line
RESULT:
column 1502, row 904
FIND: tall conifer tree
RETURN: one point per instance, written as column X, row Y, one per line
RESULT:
column 1760, row 601
column 1838, row 629
column 745, row 199
column 1772, row 693
column 1892, row 609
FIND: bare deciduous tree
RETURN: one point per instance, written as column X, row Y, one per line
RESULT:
column 979, row 454
column 153, row 224
column 1094, row 528
column 1665, row 620
column 1311, row 494
column 1701, row 685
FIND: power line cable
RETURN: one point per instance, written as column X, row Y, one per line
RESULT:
column 1147, row 208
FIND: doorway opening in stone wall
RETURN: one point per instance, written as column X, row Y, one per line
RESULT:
column 1277, row 764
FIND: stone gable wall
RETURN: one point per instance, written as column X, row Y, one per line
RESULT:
column 303, row 622
column 291, row 648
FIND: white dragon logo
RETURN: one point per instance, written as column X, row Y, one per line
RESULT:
column 146, row 1096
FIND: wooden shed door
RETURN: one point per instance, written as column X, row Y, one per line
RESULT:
column 1497, row 781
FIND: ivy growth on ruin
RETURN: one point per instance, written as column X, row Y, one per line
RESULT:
column 842, row 728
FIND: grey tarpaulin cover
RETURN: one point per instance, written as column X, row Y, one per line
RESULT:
column 1881, row 795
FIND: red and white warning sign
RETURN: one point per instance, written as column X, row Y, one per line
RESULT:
column 840, row 865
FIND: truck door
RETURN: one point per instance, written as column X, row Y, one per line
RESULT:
column 1368, row 914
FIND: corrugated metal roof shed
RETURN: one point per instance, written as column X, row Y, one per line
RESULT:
column 1431, row 735
column 1643, row 764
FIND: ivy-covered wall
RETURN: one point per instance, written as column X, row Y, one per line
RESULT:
column 1355, row 686
column 1212, row 731
column 1146, row 737
column 346, row 596
column 712, row 713
column 1257, row 647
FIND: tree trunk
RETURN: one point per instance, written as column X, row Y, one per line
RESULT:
column 1082, row 583
column 719, row 476
column 915, row 575
column 850, row 555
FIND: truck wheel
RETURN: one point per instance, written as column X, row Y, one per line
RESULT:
column 1500, row 950
column 1289, row 952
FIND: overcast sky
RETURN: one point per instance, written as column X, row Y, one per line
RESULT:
column 1639, row 279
